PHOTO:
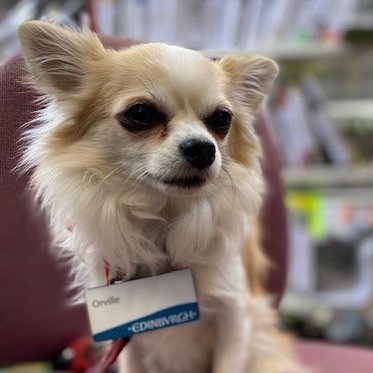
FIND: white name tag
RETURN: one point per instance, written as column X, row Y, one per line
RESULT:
column 142, row 305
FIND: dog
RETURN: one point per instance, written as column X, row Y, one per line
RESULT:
column 149, row 153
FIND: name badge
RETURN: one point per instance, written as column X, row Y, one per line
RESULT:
column 138, row 306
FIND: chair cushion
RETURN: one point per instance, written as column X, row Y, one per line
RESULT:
column 329, row 358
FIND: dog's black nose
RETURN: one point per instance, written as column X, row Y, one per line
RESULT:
column 198, row 153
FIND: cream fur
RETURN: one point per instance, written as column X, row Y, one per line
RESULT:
column 90, row 172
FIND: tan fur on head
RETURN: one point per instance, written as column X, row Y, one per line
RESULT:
column 140, row 202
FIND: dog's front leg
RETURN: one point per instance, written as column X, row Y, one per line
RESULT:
column 221, row 286
column 231, row 352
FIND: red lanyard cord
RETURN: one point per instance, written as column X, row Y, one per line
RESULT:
column 110, row 356
column 115, row 347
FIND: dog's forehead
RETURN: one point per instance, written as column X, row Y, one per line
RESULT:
column 187, row 68
column 182, row 73
column 191, row 76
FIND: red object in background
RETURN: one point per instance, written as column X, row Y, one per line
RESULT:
column 79, row 355
column 86, row 354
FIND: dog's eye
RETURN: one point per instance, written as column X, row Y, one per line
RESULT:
column 140, row 117
column 219, row 121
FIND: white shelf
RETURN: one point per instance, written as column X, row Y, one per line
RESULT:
column 287, row 52
column 329, row 176
column 350, row 108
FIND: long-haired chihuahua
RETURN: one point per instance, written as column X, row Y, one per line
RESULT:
column 150, row 154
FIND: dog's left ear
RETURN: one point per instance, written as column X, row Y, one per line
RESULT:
column 58, row 58
column 250, row 78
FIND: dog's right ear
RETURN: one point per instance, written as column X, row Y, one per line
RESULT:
column 58, row 58
column 250, row 78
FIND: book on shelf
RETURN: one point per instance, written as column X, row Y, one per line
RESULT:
column 162, row 20
column 230, row 22
column 249, row 24
column 288, row 116
column 104, row 11
column 325, row 131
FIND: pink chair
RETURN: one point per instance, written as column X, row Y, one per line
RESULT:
column 35, row 323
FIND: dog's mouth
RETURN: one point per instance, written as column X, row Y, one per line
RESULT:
column 188, row 182
column 180, row 185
